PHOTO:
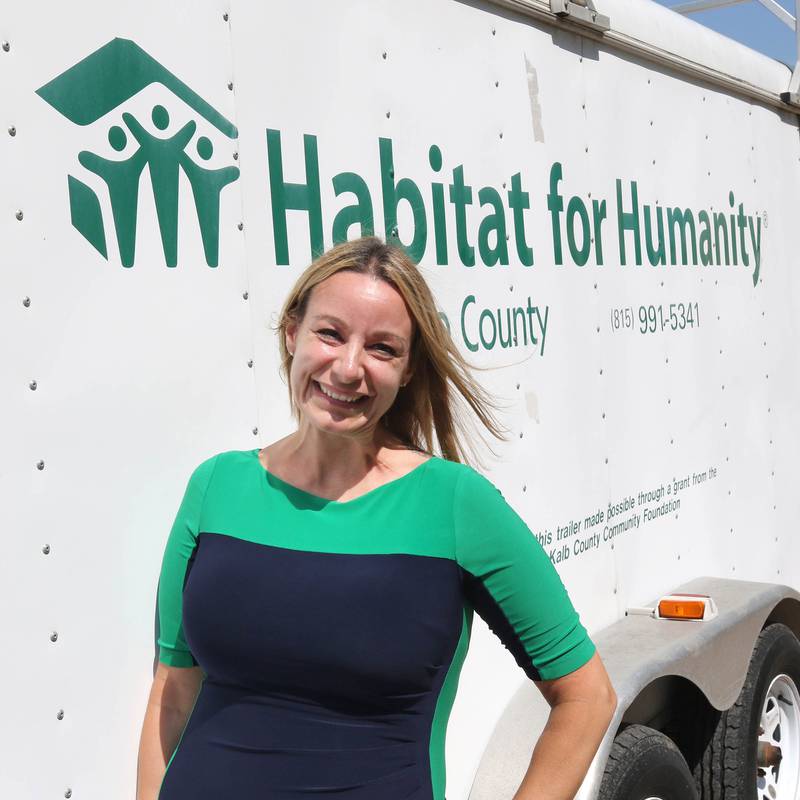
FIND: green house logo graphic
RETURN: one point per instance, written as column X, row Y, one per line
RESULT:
column 102, row 82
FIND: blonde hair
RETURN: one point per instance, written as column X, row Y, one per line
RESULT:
column 427, row 402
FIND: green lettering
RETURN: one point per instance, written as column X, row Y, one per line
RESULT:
column 629, row 221
column 437, row 193
column 488, row 344
column 654, row 256
column 720, row 225
column 404, row 189
column 518, row 201
column 460, row 197
column 468, row 301
column 741, row 221
column 705, row 238
column 294, row 196
column 358, row 213
column 599, row 214
column 683, row 219
column 496, row 222
column 580, row 255
column 555, row 205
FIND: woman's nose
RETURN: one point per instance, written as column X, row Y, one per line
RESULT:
column 348, row 367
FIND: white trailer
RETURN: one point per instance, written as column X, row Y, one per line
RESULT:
column 604, row 202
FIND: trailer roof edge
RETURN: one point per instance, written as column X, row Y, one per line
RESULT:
column 668, row 40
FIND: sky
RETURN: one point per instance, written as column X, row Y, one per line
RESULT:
column 751, row 24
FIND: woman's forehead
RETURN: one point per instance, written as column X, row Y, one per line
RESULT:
column 356, row 299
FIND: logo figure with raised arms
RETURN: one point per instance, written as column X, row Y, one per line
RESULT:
column 99, row 84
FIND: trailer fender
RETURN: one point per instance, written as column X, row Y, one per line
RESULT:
column 637, row 651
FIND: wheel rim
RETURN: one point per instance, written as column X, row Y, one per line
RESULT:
column 778, row 743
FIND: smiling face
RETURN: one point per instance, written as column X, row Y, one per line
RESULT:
column 354, row 342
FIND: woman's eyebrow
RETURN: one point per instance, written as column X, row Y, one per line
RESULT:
column 381, row 334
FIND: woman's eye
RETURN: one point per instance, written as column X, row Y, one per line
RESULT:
column 330, row 332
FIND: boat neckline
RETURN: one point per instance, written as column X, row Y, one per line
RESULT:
column 328, row 500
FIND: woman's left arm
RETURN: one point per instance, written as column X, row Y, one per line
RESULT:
column 582, row 705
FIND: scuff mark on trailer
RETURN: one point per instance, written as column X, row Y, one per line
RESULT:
column 533, row 95
column 532, row 405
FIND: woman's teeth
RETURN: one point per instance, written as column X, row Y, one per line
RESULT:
column 340, row 397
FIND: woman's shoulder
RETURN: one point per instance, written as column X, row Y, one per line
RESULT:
column 457, row 469
column 458, row 476
column 211, row 462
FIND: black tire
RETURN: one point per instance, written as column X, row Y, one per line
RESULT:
column 728, row 767
column 644, row 763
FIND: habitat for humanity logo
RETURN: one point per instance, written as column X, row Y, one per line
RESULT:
column 102, row 82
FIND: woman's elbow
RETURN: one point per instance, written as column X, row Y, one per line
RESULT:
column 608, row 701
column 588, row 686
column 601, row 690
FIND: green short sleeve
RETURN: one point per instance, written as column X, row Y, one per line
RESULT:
column 512, row 584
column 178, row 552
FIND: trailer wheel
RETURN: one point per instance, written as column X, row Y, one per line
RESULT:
column 644, row 764
column 754, row 750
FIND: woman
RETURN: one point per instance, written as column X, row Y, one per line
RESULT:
column 316, row 596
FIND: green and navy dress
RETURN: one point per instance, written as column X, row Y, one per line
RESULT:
column 331, row 634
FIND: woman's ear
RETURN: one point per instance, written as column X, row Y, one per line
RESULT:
column 291, row 337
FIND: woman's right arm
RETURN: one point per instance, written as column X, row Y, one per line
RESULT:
column 172, row 698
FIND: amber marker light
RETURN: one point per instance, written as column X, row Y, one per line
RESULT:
column 686, row 606
column 697, row 607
